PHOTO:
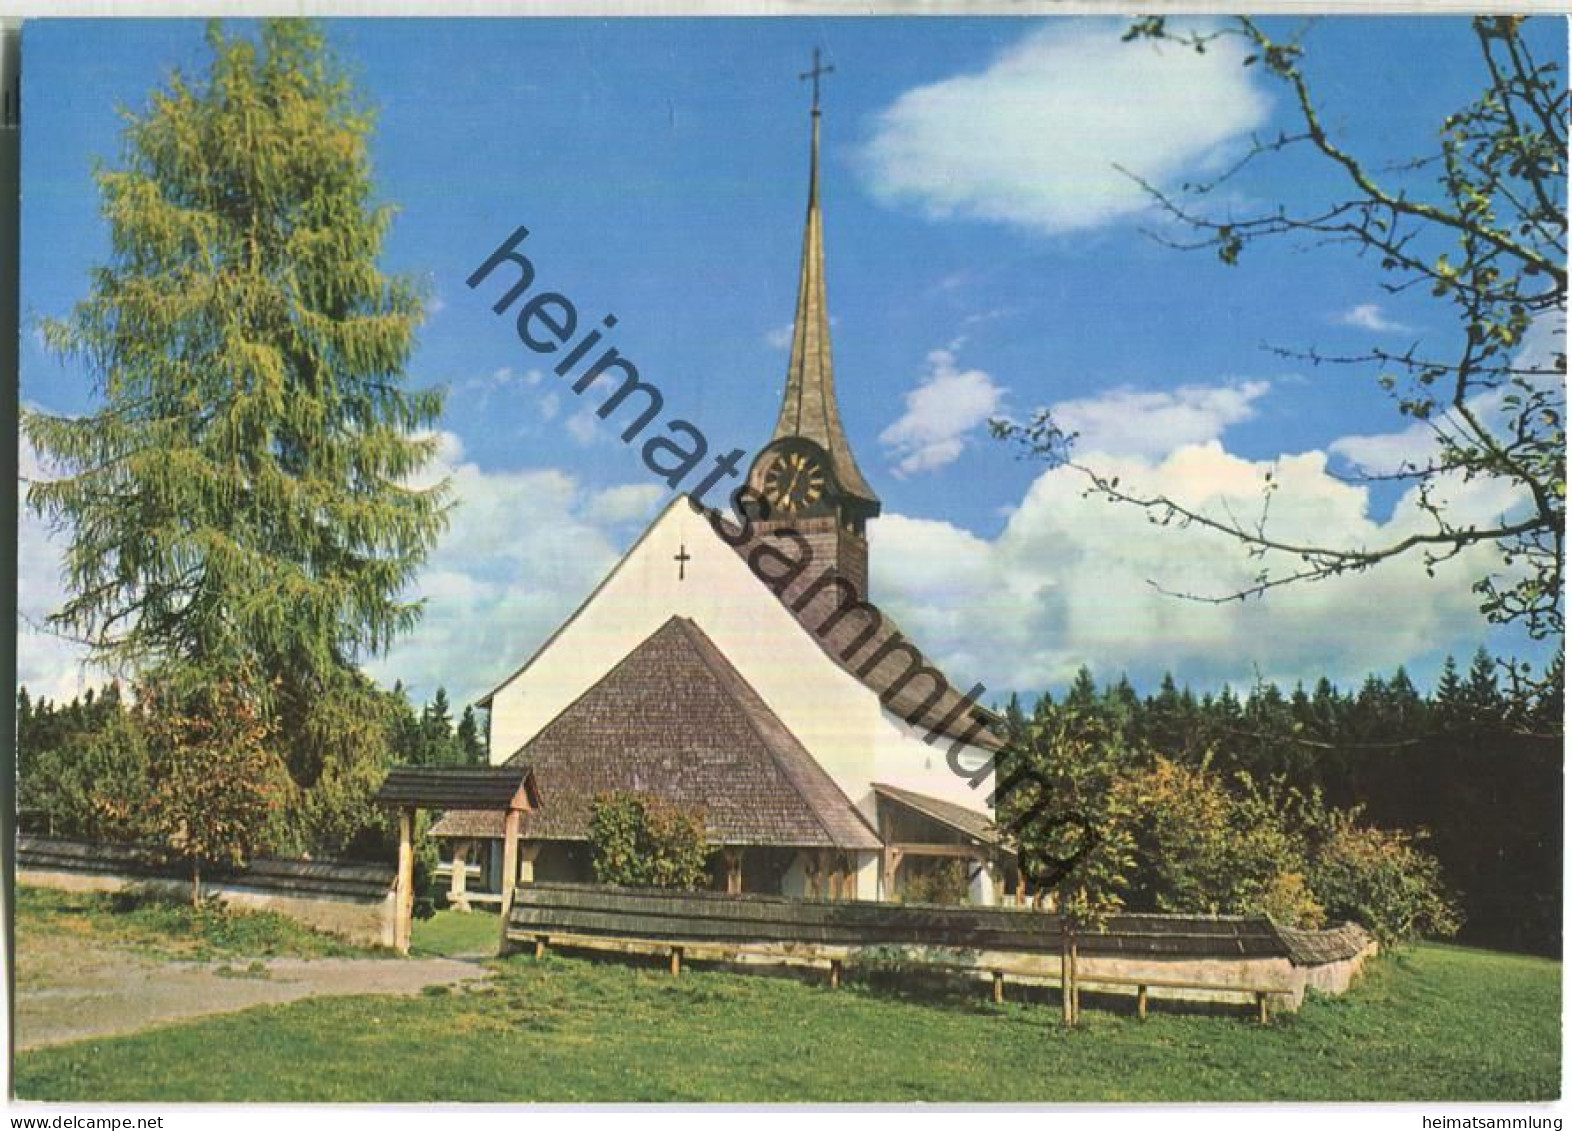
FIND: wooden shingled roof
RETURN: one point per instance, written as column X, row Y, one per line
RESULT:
column 951, row 715
column 674, row 718
column 841, row 639
column 1335, row 944
column 496, row 788
column 967, row 822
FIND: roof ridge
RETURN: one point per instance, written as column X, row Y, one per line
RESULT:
column 937, row 809
column 581, row 696
column 707, row 646
column 485, row 700
column 888, row 629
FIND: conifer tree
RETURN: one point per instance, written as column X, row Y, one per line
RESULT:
column 241, row 500
column 1449, row 700
column 1480, row 693
column 242, row 506
column 470, row 741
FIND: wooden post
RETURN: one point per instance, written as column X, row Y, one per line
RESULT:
column 733, row 858
column 998, row 987
column 458, row 898
column 1261, row 1006
column 527, row 855
column 892, row 871
column 510, row 871
column 1140, row 1002
column 1075, row 983
column 1066, row 976
column 835, row 973
column 541, row 942
column 676, row 961
column 404, row 903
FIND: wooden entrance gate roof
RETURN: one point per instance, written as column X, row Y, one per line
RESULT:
column 498, row 788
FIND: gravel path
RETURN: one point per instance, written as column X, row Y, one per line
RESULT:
column 75, row 991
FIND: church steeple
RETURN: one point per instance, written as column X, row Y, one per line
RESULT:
column 809, row 410
column 806, row 476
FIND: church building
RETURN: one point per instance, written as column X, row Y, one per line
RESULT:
column 830, row 758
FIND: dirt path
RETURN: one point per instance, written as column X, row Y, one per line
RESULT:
column 71, row 990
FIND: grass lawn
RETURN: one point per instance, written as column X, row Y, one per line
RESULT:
column 161, row 927
column 451, row 933
column 1436, row 1023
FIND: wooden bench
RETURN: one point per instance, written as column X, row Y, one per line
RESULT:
column 1262, row 994
column 835, row 959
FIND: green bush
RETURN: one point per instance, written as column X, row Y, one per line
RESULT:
column 1382, row 879
column 1205, row 849
column 642, row 841
column 92, row 785
column 934, row 881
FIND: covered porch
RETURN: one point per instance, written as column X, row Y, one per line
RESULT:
column 470, row 867
column 925, row 835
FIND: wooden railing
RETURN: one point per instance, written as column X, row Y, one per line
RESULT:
column 758, row 928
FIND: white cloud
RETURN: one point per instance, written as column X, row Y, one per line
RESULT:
column 993, row 314
column 1388, row 453
column 523, row 549
column 502, row 379
column 1033, row 140
column 584, row 426
column 947, row 405
column 964, row 279
column 1370, row 316
column 1538, row 359
column 47, row 664
column 1070, row 580
column 1128, row 421
column 628, row 503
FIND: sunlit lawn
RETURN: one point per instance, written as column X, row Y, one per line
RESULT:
column 1437, row 1023
column 163, row 926
column 453, row 932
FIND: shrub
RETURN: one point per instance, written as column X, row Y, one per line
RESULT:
column 934, row 881
column 93, row 786
column 213, row 781
column 1209, row 850
column 1289, row 899
column 1381, row 878
column 643, row 841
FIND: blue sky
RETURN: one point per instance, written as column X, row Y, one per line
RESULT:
column 984, row 258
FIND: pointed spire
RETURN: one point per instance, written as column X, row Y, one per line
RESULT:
column 809, row 408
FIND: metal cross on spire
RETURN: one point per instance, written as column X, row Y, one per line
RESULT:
column 815, row 75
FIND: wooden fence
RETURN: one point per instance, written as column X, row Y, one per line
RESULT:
column 351, row 899
column 1245, row 959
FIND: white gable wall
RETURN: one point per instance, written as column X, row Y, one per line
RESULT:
column 903, row 759
column 839, row 720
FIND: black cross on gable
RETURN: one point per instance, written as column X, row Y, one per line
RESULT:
column 682, row 558
column 815, row 75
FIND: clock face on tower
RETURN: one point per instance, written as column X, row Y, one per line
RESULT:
column 794, row 481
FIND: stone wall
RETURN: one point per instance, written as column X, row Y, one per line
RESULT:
column 349, row 899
